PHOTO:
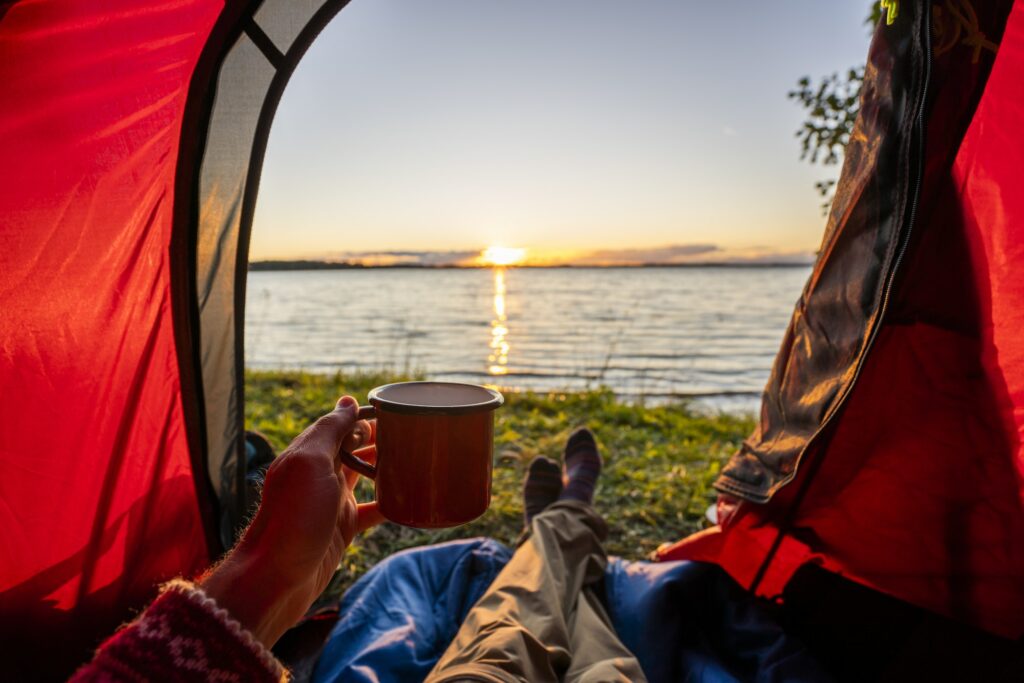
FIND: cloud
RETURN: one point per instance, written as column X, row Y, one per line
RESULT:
column 405, row 257
column 729, row 131
column 677, row 254
column 755, row 255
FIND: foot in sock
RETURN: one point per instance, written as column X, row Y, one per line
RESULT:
column 542, row 486
column 582, row 464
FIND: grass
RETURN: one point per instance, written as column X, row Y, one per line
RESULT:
column 660, row 461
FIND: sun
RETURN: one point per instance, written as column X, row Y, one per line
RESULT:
column 502, row 256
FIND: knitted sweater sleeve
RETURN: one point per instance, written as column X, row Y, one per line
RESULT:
column 183, row 636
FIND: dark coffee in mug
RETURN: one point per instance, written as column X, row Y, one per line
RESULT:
column 435, row 446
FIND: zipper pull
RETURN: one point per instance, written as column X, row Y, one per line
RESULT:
column 891, row 9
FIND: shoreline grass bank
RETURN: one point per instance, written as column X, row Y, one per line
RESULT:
column 660, row 461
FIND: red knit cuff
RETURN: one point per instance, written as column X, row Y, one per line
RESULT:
column 183, row 636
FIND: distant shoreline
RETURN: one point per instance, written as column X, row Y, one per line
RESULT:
column 264, row 266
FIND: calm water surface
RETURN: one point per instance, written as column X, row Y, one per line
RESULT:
column 650, row 333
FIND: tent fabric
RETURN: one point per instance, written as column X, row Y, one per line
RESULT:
column 917, row 491
column 250, row 79
column 838, row 314
column 99, row 497
column 243, row 81
column 132, row 136
column 683, row 620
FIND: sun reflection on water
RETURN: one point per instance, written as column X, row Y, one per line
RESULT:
column 498, row 357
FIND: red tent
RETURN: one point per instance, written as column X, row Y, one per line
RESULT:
column 889, row 447
column 132, row 136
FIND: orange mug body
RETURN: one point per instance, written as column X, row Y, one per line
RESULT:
column 435, row 446
column 434, row 470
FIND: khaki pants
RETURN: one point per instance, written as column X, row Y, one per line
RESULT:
column 540, row 620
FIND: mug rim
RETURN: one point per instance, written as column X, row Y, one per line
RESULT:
column 493, row 403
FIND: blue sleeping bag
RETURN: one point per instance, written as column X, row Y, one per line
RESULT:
column 685, row 621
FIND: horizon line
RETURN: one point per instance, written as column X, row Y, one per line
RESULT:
column 313, row 264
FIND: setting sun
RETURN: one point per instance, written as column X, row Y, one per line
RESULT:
column 502, row 256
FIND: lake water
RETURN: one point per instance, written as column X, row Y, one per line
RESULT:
column 654, row 334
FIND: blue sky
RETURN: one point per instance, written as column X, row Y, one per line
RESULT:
column 562, row 126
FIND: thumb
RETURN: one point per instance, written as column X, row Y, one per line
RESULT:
column 326, row 435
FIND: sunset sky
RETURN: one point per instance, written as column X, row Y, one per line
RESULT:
column 655, row 129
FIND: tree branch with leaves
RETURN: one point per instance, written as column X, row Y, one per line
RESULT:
column 832, row 104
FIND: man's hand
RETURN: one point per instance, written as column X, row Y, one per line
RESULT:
column 307, row 518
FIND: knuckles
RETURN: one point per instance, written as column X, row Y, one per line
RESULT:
column 309, row 455
column 300, row 463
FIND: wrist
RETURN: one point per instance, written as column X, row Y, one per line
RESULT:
column 258, row 602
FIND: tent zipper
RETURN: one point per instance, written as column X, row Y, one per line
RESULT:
column 916, row 182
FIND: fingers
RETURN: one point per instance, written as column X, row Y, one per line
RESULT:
column 372, row 422
column 361, row 435
column 369, row 454
column 367, row 515
column 367, row 417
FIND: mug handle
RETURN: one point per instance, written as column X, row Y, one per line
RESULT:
column 358, row 464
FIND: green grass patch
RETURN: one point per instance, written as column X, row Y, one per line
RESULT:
column 660, row 460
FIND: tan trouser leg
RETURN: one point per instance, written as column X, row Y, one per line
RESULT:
column 539, row 621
